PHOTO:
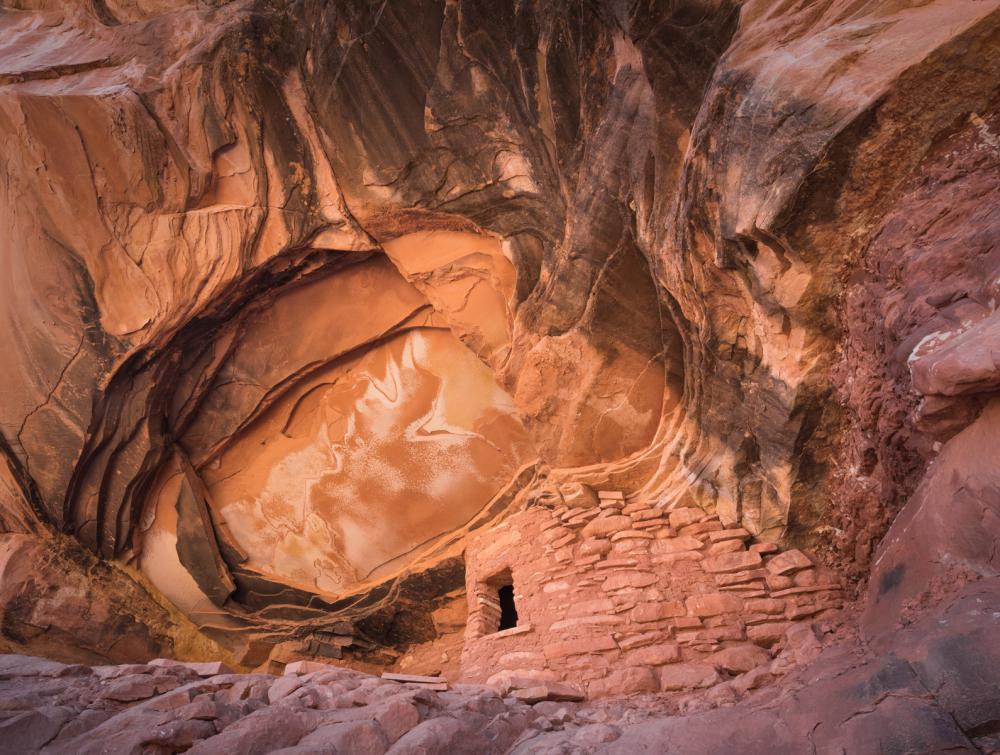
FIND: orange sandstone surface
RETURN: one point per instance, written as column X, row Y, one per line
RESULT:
column 616, row 376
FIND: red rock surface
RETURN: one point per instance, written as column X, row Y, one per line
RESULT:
column 655, row 611
column 324, row 321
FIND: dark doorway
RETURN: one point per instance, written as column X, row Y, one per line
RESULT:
column 508, row 611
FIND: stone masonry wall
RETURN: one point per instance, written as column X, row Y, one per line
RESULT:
column 616, row 596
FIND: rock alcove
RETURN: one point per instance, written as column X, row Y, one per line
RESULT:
column 328, row 455
column 325, row 323
column 350, row 422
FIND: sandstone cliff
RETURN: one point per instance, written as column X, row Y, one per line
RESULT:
column 306, row 303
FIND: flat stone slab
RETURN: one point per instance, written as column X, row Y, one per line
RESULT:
column 307, row 667
column 209, row 668
column 414, row 678
column 554, row 691
column 732, row 562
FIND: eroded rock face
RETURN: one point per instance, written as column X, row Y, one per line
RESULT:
column 324, row 340
column 325, row 458
column 303, row 299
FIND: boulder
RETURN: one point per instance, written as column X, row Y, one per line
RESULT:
column 738, row 659
column 683, row 676
column 624, row 682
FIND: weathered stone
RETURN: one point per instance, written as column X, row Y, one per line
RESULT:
column 644, row 612
column 361, row 737
column 557, row 544
column 212, row 668
column 505, row 681
column 554, row 691
column 674, row 558
column 634, row 641
column 654, row 525
column 631, row 534
column 628, row 681
column 737, row 533
column 724, row 632
column 741, row 577
column 551, row 536
column 767, row 633
column 713, row 604
column 136, row 687
column 606, row 526
column 805, row 609
column 258, row 733
column 298, row 668
column 739, row 659
column 811, row 589
column 621, row 580
column 576, row 511
column 611, row 495
column 687, row 622
column 283, row 687
column 655, row 655
column 30, row 730
column 700, row 528
column 731, row 562
column 202, row 709
column 522, row 658
column 765, row 605
column 595, row 547
column 560, row 586
column 805, row 577
column 312, row 341
column 579, row 496
column 412, row 678
column 679, row 676
column 396, row 718
column 774, row 582
column 726, row 546
column 683, row 517
column 585, row 621
column 646, row 515
column 577, row 647
column 755, row 589
column 788, row 562
column 596, row 733
column 676, row 545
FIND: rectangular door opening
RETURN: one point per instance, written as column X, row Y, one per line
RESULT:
column 508, row 611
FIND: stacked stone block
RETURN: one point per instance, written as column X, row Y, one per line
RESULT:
column 622, row 596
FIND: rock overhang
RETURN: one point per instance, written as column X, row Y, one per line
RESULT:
column 700, row 271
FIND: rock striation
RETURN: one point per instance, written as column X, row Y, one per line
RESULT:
column 587, row 351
